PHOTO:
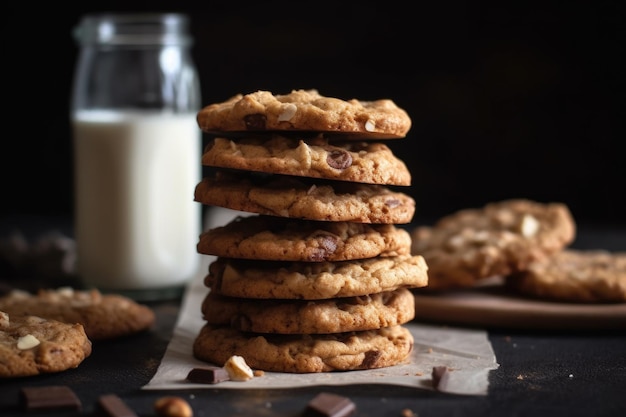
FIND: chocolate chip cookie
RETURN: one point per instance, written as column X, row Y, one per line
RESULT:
column 295, row 197
column 578, row 276
column 103, row 316
column 315, row 280
column 284, row 239
column 496, row 240
column 31, row 345
column 335, row 315
column 305, row 110
column 356, row 161
column 369, row 349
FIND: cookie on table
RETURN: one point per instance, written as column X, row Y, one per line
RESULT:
column 305, row 111
column 298, row 197
column 315, row 280
column 284, row 239
column 356, row 161
column 335, row 315
column 369, row 349
column 495, row 240
column 31, row 345
column 591, row 276
column 104, row 316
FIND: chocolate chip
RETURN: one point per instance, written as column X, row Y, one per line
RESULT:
column 50, row 398
column 210, row 375
column 371, row 357
column 255, row 121
column 339, row 159
column 113, row 406
column 329, row 405
column 440, row 376
column 327, row 246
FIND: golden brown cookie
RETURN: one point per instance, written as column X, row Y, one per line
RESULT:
column 295, row 197
column 305, row 110
column 315, row 280
column 335, row 315
column 104, row 316
column 593, row 276
column 284, row 239
column 495, row 240
column 31, row 345
column 370, row 349
column 355, row 161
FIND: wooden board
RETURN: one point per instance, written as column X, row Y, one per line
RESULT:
column 494, row 307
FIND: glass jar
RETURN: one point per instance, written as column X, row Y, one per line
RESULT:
column 137, row 147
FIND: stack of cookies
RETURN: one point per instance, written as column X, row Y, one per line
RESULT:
column 317, row 275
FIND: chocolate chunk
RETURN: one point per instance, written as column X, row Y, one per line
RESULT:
column 440, row 377
column 50, row 398
column 255, row 121
column 329, row 405
column 371, row 358
column 211, row 375
column 339, row 159
column 113, row 406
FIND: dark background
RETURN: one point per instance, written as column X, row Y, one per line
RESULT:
column 506, row 100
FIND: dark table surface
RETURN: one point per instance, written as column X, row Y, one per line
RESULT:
column 541, row 373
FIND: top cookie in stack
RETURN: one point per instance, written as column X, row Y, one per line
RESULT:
column 317, row 278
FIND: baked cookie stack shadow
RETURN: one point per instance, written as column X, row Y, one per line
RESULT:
column 318, row 276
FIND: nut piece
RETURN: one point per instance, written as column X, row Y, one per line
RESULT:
column 238, row 369
column 172, row 407
column 27, row 342
column 530, row 226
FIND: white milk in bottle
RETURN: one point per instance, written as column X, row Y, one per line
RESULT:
column 137, row 150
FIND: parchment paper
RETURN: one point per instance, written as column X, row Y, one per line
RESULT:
column 466, row 352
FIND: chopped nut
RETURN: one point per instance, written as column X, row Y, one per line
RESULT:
column 289, row 110
column 27, row 342
column 4, row 320
column 370, row 126
column 172, row 407
column 529, row 226
column 238, row 369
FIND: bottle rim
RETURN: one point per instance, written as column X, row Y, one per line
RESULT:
column 133, row 29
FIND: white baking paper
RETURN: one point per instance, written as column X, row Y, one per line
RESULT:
column 467, row 353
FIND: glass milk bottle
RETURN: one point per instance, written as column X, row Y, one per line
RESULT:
column 137, row 150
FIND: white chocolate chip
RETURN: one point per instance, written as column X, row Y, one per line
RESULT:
column 529, row 226
column 288, row 111
column 238, row 369
column 370, row 125
column 27, row 342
